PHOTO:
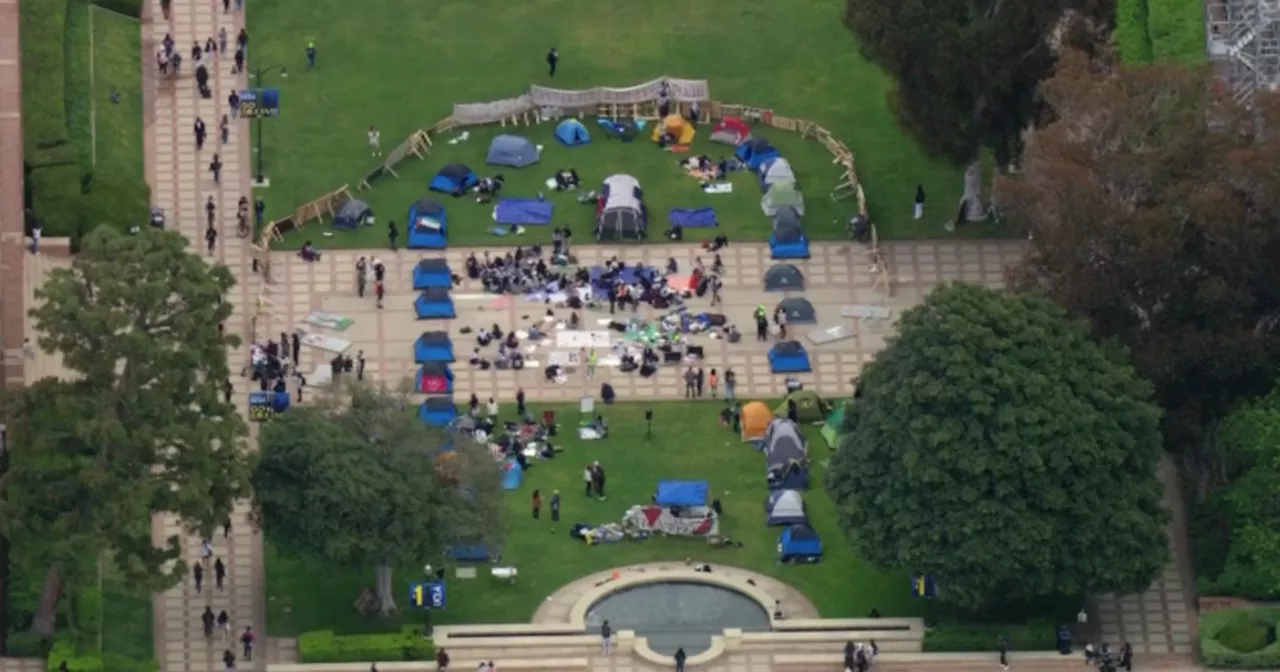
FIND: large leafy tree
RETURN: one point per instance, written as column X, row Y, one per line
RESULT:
column 966, row 71
column 139, row 426
column 994, row 446
column 356, row 481
column 1163, row 231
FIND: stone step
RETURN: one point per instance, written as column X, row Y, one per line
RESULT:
column 971, row 662
column 463, row 665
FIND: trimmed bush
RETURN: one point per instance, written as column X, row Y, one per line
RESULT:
column 1177, row 31
column 1220, row 631
column 44, row 119
column 948, row 637
column 323, row 646
column 87, row 604
column 1132, row 38
column 127, row 7
column 56, row 195
column 64, row 651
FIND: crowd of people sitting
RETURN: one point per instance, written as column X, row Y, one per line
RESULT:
column 508, row 356
column 567, row 179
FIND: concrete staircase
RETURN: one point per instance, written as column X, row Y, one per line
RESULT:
column 973, row 662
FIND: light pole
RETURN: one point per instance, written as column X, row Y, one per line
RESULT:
column 261, row 179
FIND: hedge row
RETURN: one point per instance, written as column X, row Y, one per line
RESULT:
column 949, row 637
column 323, row 646
column 64, row 651
column 1177, row 31
column 44, row 118
column 1215, row 654
column 127, row 7
column 1132, row 38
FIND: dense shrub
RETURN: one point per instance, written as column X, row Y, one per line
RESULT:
column 950, row 637
column 1177, row 31
column 1132, row 38
column 127, row 7
column 323, row 646
column 1220, row 631
column 64, row 651
column 44, row 120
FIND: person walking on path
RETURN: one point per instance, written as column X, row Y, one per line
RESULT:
column 702, row 381
column 207, row 620
column 362, row 276
column 210, row 211
column 215, row 167
column 219, row 573
column 246, row 642
column 442, row 660
column 199, row 131
column 1004, row 654
column 919, row 209
column 606, row 638
column 713, row 381
column 680, row 658
column 553, row 59
column 591, row 363
column 229, row 661
column 690, row 382
column 211, row 238
column 224, row 624
column 197, row 575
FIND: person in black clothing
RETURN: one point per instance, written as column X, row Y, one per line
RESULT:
column 680, row 658
column 211, row 237
column 1004, row 653
column 392, row 234
column 1126, row 657
column 762, row 328
column 296, row 345
column 198, row 130
column 219, row 573
column 360, row 365
column 227, row 390
column 207, row 619
column 520, row 402
column 553, row 58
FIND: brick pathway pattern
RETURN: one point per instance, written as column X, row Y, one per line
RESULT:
column 12, row 255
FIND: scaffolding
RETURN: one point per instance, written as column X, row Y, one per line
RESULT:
column 1244, row 45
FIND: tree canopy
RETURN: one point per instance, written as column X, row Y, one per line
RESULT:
column 140, row 425
column 1162, row 230
column 994, row 446
column 965, row 73
column 355, row 480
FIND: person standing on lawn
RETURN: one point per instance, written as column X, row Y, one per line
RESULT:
column 553, row 59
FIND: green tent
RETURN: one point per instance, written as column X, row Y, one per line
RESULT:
column 810, row 406
column 831, row 428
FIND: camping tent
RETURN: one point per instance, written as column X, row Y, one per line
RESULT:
column 625, row 130
column 512, row 475
column 427, row 228
column 755, row 151
column 775, row 171
column 434, row 304
column 789, row 357
column 571, row 133
column 455, row 179
column 810, row 406
column 788, row 240
column 799, row 543
column 798, row 311
column 789, row 476
column 831, row 428
column 433, row 346
column 782, row 194
column 352, row 215
column 755, row 419
column 785, row 507
column 783, row 444
column 676, row 127
column 730, row 131
column 621, row 191
column 512, row 150
column 681, row 493
column 783, row 278
column 437, row 411
column 620, row 224
column 432, row 273
column 435, row 378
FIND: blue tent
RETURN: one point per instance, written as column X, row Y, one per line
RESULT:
column 434, row 378
column 571, row 132
column 454, row 179
column 511, row 150
column 755, row 151
column 472, row 553
column 432, row 273
column 785, row 507
column 434, row 304
column 799, row 543
column 352, row 215
column 789, row 357
column 427, row 228
column 788, row 240
column 433, row 346
column 512, row 475
column 437, row 411
column 681, row 493
column 790, row 476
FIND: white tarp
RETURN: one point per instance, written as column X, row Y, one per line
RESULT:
column 582, row 339
column 696, row 521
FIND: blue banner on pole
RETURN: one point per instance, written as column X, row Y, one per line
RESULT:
column 427, row 595
column 255, row 103
column 924, row 585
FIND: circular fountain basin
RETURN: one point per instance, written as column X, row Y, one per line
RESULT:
column 678, row 614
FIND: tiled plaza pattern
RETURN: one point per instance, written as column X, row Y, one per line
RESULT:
column 12, row 255
column 838, row 275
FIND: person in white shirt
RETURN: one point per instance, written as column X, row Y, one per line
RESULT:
column 491, row 409
column 375, row 141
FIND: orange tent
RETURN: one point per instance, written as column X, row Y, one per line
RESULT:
column 756, row 417
column 677, row 127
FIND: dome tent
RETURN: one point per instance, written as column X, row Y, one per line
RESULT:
column 512, row 150
column 775, row 171
column 782, row 195
column 783, row 278
column 571, row 133
column 798, row 310
column 353, row 214
column 756, row 417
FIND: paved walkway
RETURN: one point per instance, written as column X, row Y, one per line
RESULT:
column 181, row 183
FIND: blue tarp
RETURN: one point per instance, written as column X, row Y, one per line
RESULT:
column 437, row 411
column 793, row 248
column 431, row 273
column 571, row 132
column 434, row 304
column 628, row 275
column 427, row 227
column 523, row 212
column 789, row 357
column 681, row 493
column 512, row 475
column 471, row 553
column 433, row 346
column 693, row 218
column 799, row 543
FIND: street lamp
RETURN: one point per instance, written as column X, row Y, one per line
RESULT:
column 261, row 179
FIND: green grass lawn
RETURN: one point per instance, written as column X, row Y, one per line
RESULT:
column 117, row 123
column 401, row 66
column 688, row 444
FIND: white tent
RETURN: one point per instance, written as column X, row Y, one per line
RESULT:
column 621, row 191
column 786, row 507
column 776, row 170
column 783, row 444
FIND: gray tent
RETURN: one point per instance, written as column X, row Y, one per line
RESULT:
column 783, row 444
column 785, row 507
column 776, row 171
column 352, row 215
column 512, row 150
column 798, row 310
column 782, row 194
column 621, row 191
column 783, row 278
column 786, row 225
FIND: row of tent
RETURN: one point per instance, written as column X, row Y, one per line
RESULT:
column 782, row 202
column 787, row 473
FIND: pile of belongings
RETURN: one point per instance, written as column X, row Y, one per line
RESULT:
column 609, row 533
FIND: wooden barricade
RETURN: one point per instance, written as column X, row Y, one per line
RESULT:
column 879, row 268
column 322, row 207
